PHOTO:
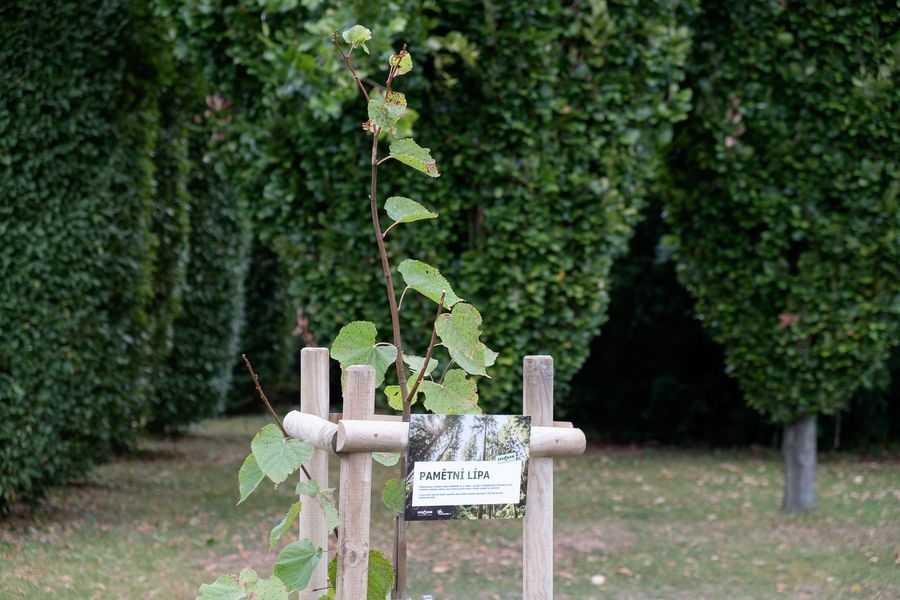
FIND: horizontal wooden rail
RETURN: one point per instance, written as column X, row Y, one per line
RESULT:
column 319, row 432
column 392, row 436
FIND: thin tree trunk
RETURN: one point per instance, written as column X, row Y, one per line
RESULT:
column 799, row 450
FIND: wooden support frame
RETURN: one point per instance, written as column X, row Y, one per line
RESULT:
column 314, row 403
column 358, row 433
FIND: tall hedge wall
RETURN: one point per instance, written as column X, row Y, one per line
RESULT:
column 76, row 132
column 545, row 121
column 784, row 204
column 194, row 379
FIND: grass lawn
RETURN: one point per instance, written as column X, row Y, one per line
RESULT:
column 630, row 523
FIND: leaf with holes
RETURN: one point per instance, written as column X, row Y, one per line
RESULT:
column 411, row 154
column 355, row 345
column 277, row 456
column 457, row 395
column 402, row 63
column 428, row 281
column 296, row 563
column 394, row 396
column 459, row 332
column 387, row 110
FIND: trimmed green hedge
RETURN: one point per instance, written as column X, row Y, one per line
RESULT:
column 545, row 120
column 194, row 380
column 266, row 335
column 784, row 204
column 77, row 126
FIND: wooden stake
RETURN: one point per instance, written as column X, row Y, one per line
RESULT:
column 537, row 576
column 355, row 496
column 314, row 400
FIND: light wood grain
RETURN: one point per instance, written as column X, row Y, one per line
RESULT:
column 354, row 504
column 392, row 436
column 537, row 399
column 314, row 400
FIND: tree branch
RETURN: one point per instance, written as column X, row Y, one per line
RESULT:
column 265, row 400
column 346, row 58
column 407, row 401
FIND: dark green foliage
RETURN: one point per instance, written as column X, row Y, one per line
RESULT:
column 76, row 134
column 170, row 222
column 785, row 202
column 654, row 374
column 266, row 335
column 194, row 380
column 544, row 120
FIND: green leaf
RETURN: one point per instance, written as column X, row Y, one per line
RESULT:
column 381, row 576
column 223, row 588
column 458, row 395
column 277, row 455
column 395, row 105
column 296, row 563
column 324, row 498
column 411, row 154
column 270, row 589
column 394, row 396
column 355, row 345
column 310, row 488
column 248, row 578
column 357, row 36
column 332, row 571
column 404, row 210
column 417, row 362
column 403, row 63
column 459, row 332
column 428, row 281
column 249, row 477
column 386, row 111
column 281, row 528
column 394, row 495
column 388, row 459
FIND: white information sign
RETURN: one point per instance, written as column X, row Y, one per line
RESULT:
column 453, row 483
column 467, row 466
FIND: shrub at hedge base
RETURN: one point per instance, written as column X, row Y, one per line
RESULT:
column 548, row 148
column 76, row 129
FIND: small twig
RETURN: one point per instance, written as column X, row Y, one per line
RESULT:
column 402, row 296
column 407, row 402
column 262, row 396
column 393, row 70
column 447, row 368
column 346, row 58
column 385, row 232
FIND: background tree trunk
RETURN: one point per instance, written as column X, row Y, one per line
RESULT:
column 799, row 451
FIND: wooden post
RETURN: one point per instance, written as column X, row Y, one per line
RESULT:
column 355, row 494
column 537, row 398
column 314, row 400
